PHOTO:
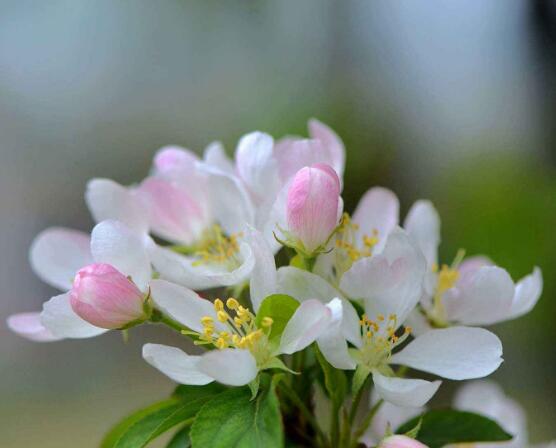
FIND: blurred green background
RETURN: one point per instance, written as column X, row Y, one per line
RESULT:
column 452, row 101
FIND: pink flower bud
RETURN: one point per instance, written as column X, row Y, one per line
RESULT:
column 312, row 205
column 105, row 297
column 401, row 442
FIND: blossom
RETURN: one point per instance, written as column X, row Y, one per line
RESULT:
column 470, row 291
column 56, row 256
column 389, row 285
column 233, row 331
column 312, row 207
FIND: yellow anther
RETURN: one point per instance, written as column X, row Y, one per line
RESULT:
column 222, row 316
column 208, row 331
column 447, row 278
column 408, row 330
column 232, row 303
column 218, row 305
column 207, row 320
column 239, row 321
column 236, row 340
column 380, row 317
column 221, row 343
column 224, row 335
column 267, row 321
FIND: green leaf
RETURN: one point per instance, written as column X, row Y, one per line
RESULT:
column 335, row 380
column 279, row 307
column 180, row 439
column 444, row 427
column 277, row 363
column 139, row 428
column 232, row 420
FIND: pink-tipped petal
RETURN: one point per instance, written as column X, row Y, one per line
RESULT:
column 332, row 143
column 173, row 213
column 106, row 298
column 168, row 159
column 312, row 205
column 29, row 326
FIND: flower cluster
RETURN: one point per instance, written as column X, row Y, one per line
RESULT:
column 364, row 292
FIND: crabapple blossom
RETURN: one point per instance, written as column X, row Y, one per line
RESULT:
column 398, row 441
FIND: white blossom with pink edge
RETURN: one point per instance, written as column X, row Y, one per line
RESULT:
column 398, row 441
column 471, row 291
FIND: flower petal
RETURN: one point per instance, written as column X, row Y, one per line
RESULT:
column 181, row 304
column 173, row 160
column 331, row 142
column 305, row 326
column 231, row 366
column 405, row 392
column 264, row 277
column 482, row 297
column 107, row 199
column 304, row 285
column 230, row 201
column 527, row 292
column 378, row 209
column 57, row 254
column 390, row 282
column 114, row 243
column 332, row 343
column 186, row 270
column 175, row 364
column 456, row 353
column 423, row 225
column 29, row 326
column 215, row 156
column 256, row 165
column 61, row 321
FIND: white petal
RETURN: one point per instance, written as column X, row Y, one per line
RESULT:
column 234, row 367
column 304, row 285
column 391, row 282
column 114, row 243
column 181, row 304
column 405, row 392
column 175, row 364
column 482, row 297
column 29, row 326
column 59, row 318
column 107, row 199
column 256, row 165
column 334, row 348
column 423, row 225
column 332, row 143
column 215, row 156
column 263, row 278
column 305, row 326
column 418, row 322
column 487, row 398
column 527, row 292
column 185, row 270
column 378, row 209
column 231, row 204
column 456, row 353
column 57, row 254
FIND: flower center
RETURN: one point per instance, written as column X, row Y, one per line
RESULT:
column 380, row 339
column 446, row 279
column 348, row 248
column 216, row 247
column 242, row 331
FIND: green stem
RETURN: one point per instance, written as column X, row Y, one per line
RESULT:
column 365, row 423
column 357, row 400
column 158, row 317
column 294, row 398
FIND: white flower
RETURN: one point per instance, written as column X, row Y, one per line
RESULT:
column 56, row 256
column 471, row 291
column 231, row 329
column 389, row 285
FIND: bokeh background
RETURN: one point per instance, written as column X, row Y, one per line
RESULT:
column 452, row 101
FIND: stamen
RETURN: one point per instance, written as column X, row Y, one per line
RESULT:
column 215, row 247
column 380, row 339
